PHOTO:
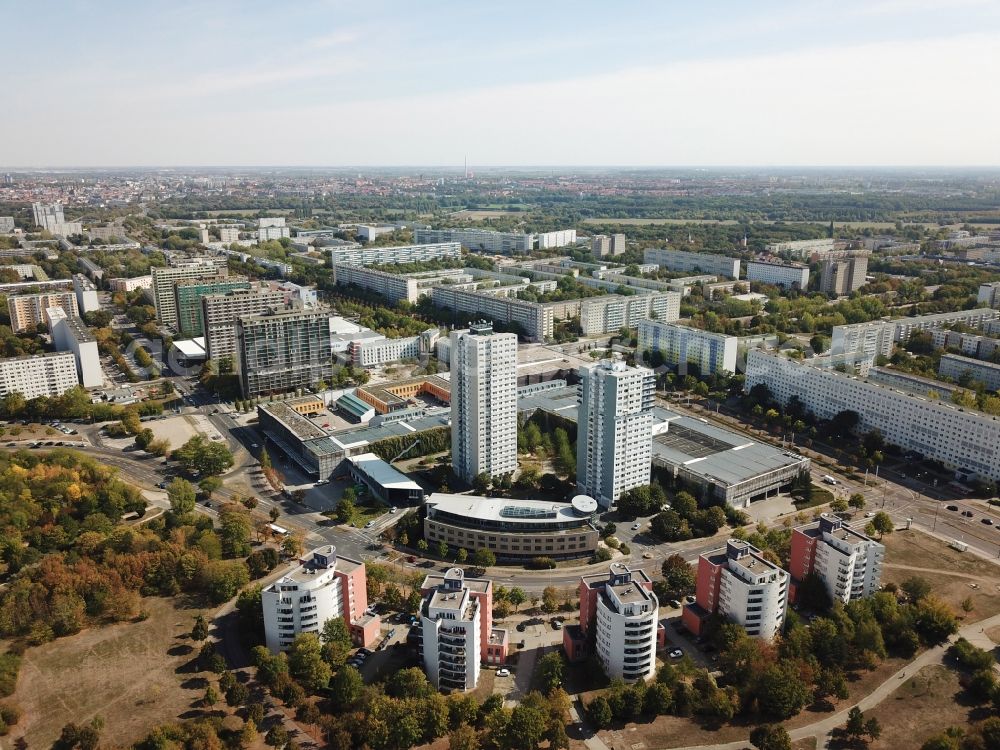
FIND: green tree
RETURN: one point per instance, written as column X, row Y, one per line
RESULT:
column 235, row 528
column 481, row 483
column 770, row 737
column 780, row 691
column 516, row 597
column 200, row 630
column 182, row 496
column 442, row 549
column 855, row 727
column 345, row 510
column 461, row 555
column 550, row 672
column 882, row 523
column 306, row 663
column 202, row 456
column 336, row 638
column 463, row 737
column 550, row 599
column 678, row 577
column 857, row 501
column 210, row 698
column 484, row 558
column 346, row 688
column 525, row 729
column 599, row 712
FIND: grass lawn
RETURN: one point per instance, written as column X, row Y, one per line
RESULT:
column 133, row 675
column 953, row 575
column 817, row 496
column 924, row 705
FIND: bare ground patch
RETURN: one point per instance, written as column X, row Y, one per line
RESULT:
column 133, row 675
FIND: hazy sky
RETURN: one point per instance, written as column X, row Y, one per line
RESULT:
column 649, row 82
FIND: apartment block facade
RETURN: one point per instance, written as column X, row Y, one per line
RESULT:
column 355, row 255
column 221, row 311
column 610, row 313
column 28, row 310
column 187, row 299
column 283, row 351
column 483, row 402
column 842, row 276
column 164, row 279
column 712, row 353
column 788, row 275
column 847, row 561
column 38, row 375
column 615, row 430
column 480, row 240
column 960, row 368
column 739, row 583
column 687, row 261
column 536, row 320
column 962, row 439
column 322, row 587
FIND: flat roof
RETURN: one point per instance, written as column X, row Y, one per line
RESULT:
column 382, row 473
column 191, row 348
column 355, row 436
column 503, row 509
column 299, row 425
column 714, row 453
column 473, row 584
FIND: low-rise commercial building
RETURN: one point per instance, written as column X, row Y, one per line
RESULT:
column 512, row 529
column 385, row 483
column 788, row 275
column 740, row 584
column 619, row 615
column 712, row 353
column 687, row 261
column 322, row 587
column 848, row 562
column 962, row 439
column 130, row 285
column 37, row 375
column 456, row 619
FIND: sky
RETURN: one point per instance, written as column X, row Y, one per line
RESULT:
column 548, row 82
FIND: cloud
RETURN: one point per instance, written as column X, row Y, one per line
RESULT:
column 913, row 102
column 334, row 39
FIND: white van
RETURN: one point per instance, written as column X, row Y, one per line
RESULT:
column 828, row 479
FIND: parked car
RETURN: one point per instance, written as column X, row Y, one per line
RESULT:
column 321, row 482
column 967, row 513
column 369, row 524
column 952, row 507
column 676, row 653
column 675, row 604
column 636, row 526
column 503, row 672
column 987, row 521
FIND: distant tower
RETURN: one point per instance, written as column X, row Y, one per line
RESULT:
column 743, row 242
column 465, row 167
column 831, row 227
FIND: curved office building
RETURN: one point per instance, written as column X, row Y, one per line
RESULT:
column 512, row 529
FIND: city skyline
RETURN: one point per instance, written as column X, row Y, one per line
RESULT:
column 325, row 83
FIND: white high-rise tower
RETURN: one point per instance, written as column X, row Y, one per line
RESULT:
column 614, row 439
column 483, row 402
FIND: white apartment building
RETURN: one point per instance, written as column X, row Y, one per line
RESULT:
column 229, row 235
column 72, row 335
column 221, row 311
column 739, row 583
column 687, row 261
column 375, row 352
column 627, row 617
column 354, row 255
column 369, row 232
column 559, row 238
column 600, row 245
column 609, row 313
column 322, row 587
column 481, row 240
column 803, row 249
column 163, row 281
column 86, row 294
column 453, row 624
column 393, row 286
column 680, row 345
column 788, row 275
column 130, row 285
column 38, row 375
column 615, row 430
column 272, row 229
column 877, row 337
column 957, row 367
column 617, row 244
column 483, row 402
column 989, row 294
column 28, row 310
column 537, row 320
column 6, row 224
column 962, row 439
column 49, row 216
column 847, row 561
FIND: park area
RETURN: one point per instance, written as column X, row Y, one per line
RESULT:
column 131, row 675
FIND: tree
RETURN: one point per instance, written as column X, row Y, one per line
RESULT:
column 235, row 528
column 442, row 548
column 484, row 558
column 599, row 712
column 934, row 620
column 916, row 588
column 678, row 577
column 274, row 513
column 248, row 734
column 463, row 737
column 550, row 599
column 516, row 597
column 525, row 729
column 200, row 630
column 336, row 640
column 882, row 523
column 408, row 683
column 202, row 456
column 857, row 501
column 481, row 483
column 780, row 691
column 306, row 663
column 346, row 688
column 461, row 555
column 855, row 727
column 550, row 672
column 770, row 737
column 277, row 736
column 839, row 505
column 182, row 496
column 210, row 698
